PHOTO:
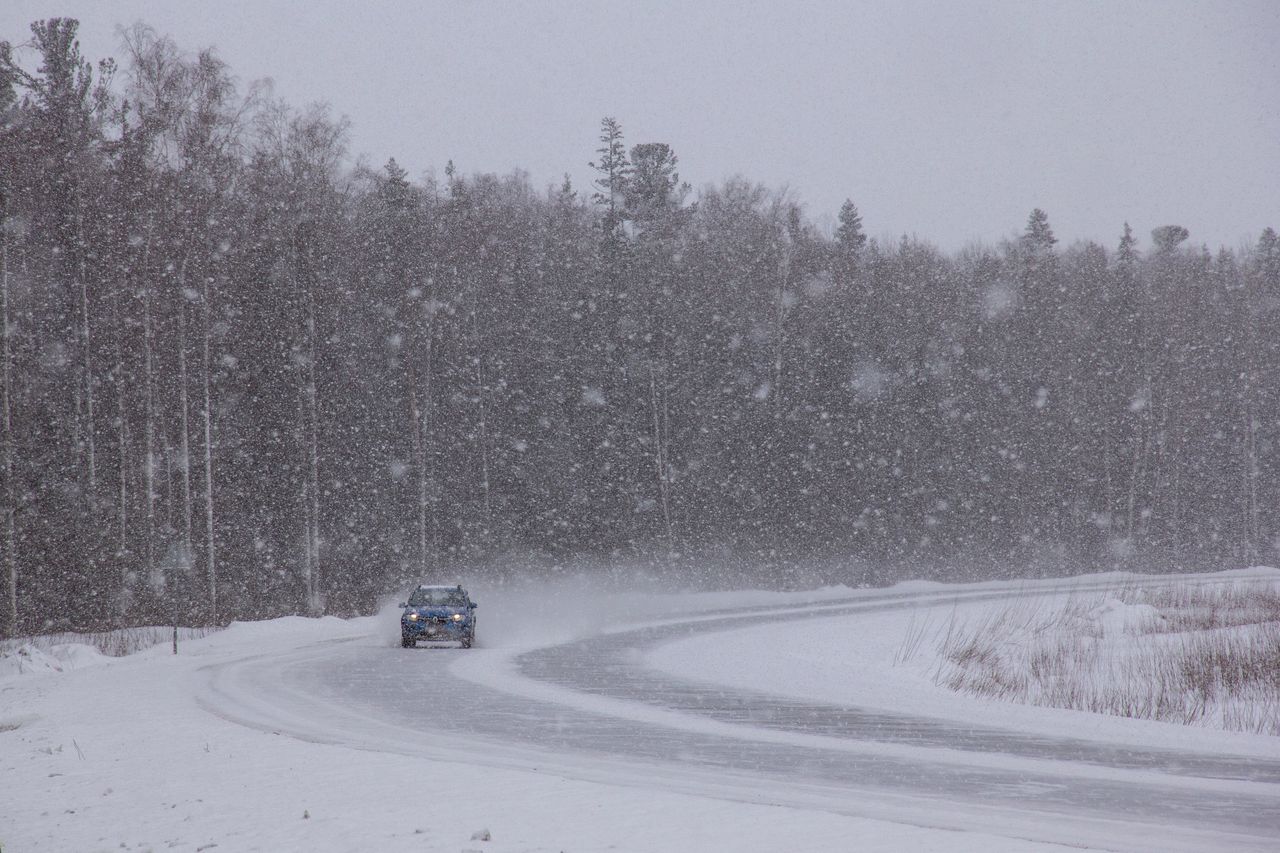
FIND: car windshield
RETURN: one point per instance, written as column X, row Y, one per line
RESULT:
column 442, row 597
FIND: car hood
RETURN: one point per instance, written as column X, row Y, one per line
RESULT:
column 428, row 612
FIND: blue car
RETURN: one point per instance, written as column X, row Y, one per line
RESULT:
column 438, row 614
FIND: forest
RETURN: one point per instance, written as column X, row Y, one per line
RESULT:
column 245, row 375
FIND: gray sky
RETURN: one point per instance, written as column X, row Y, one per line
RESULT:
column 948, row 120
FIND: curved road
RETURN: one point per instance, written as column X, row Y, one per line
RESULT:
column 587, row 709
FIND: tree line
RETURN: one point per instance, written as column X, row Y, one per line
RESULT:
column 242, row 377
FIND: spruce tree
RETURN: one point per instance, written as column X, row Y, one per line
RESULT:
column 615, row 172
column 849, row 235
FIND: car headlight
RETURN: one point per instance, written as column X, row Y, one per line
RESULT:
column 412, row 617
column 457, row 617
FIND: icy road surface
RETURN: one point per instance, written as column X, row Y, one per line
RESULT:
column 590, row 709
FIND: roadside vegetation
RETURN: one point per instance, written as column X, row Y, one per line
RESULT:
column 1206, row 655
column 117, row 643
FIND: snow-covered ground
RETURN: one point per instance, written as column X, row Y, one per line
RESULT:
column 889, row 660
column 248, row 739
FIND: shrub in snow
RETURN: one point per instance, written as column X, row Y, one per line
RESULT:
column 1185, row 653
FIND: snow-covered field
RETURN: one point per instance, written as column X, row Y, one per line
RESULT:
column 247, row 740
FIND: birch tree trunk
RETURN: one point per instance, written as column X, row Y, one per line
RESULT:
column 314, row 444
column 184, row 401
column 160, row 580
column 87, row 356
column 661, row 433
column 122, row 515
column 149, row 432
column 122, row 435
column 481, row 390
column 307, row 429
column 428, row 509
column 1251, row 479
column 420, row 462
column 1250, row 466
column 779, row 327
column 10, row 507
column 211, row 566
column 304, row 503
column 1135, row 475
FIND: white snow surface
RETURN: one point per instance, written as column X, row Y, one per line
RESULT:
column 102, row 753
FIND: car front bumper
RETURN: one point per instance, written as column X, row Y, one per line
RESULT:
column 433, row 629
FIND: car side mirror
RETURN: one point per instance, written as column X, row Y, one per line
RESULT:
column 402, row 604
column 473, row 605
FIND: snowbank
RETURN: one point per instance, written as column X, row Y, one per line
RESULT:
column 28, row 659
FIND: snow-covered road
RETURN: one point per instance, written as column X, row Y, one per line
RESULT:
column 592, row 719
column 595, row 709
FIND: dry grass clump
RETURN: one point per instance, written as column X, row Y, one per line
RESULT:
column 1188, row 607
column 1187, row 653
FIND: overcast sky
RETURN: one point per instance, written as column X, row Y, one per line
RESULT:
column 947, row 120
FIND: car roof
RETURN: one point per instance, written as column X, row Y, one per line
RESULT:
column 439, row 586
